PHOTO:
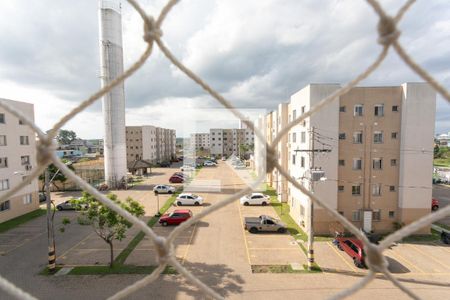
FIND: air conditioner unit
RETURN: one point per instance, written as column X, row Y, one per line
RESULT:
column 28, row 167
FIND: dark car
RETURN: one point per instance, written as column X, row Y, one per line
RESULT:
column 176, row 179
column 164, row 164
column 445, row 237
column 354, row 248
column 42, row 197
column 176, row 217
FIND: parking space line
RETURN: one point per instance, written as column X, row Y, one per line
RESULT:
column 443, row 247
column 430, row 256
column 291, row 248
column 21, row 244
column 343, row 259
column 188, row 245
column 399, row 257
column 243, row 233
column 76, row 245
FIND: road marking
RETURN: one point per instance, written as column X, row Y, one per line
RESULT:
column 76, row 245
column 291, row 248
column 243, row 230
column 430, row 256
column 399, row 257
column 188, row 245
column 21, row 244
column 442, row 246
column 342, row 257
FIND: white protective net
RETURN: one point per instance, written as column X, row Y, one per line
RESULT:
column 377, row 263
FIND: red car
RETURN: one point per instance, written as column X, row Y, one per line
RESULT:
column 176, row 217
column 176, row 179
column 354, row 248
column 434, row 204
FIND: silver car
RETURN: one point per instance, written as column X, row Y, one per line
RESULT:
column 163, row 189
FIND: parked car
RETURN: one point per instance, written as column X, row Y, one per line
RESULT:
column 176, row 179
column 354, row 248
column 164, row 164
column 209, row 163
column 69, row 205
column 224, row 158
column 239, row 167
column 176, row 217
column 163, row 189
column 189, row 199
column 42, row 197
column 445, row 237
column 434, row 204
column 264, row 223
column 187, row 168
column 255, row 199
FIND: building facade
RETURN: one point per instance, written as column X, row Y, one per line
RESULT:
column 226, row 142
column 375, row 146
column 17, row 159
column 200, row 141
column 150, row 143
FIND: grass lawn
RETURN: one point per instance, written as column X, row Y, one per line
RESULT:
column 443, row 226
column 283, row 269
column 122, row 269
column 434, row 236
column 5, row 226
column 442, row 162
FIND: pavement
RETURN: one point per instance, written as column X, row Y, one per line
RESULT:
column 219, row 252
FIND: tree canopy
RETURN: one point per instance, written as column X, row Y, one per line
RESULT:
column 65, row 137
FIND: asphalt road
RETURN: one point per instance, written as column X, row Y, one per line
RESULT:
column 442, row 193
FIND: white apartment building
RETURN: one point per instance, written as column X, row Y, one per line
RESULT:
column 375, row 145
column 200, row 141
column 17, row 158
column 150, row 143
column 225, row 142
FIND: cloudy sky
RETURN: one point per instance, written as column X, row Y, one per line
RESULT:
column 255, row 52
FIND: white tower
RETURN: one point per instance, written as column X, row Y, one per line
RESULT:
column 111, row 62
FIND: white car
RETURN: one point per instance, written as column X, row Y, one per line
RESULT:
column 189, row 199
column 255, row 199
column 187, row 168
column 163, row 189
column 209, row 163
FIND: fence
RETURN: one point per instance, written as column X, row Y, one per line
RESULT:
column 377, row 263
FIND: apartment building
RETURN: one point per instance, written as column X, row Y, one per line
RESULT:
column 226, row 142
column 17, row 159
column 150, row 143
column 375, row 146
column 200, row 141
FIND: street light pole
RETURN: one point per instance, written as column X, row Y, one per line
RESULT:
column 311, row 209
column 50, row 230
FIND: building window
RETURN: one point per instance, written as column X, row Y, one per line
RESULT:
column 303, row 137
column 392, row 188
column 358, row 110
column 379, row 110
column 293, row 159
column 27, row 199
column 2, row 118
column 3, row 162
column 377, row 163
column 303, row 109
column 376, row 215
column 294, row 137
column 342, row 136
column 342, row 109
column 340, row 188
column 342, row 162
column 356, row 215
column 25, row 160
column 24, row 140
column 2, row 140
column 376, row 189
column 21, row 122
column 378, row 137
column 4, row 184
column 356, row 190
column 391, row 214
column 394, row 135
column 358, row 137
column 393, row 162
column 302, row 162
column 5, row 205
column 357, row 164
column 294, row 114
column 394, row 107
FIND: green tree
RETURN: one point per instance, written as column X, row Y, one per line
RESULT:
column 60, row 177
column 65, row 137
column 108, row 224
column 436, row 151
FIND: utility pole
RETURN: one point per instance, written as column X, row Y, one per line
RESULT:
column 315, row 175
column 50, row 230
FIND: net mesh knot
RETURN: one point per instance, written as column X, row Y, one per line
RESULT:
column 164, row 250
column 271, row 158
column 387, row 31
column 151, row 31
column 45, row 147
column 376, row 261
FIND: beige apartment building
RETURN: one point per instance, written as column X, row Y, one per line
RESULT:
column 226, row 142
column 200, row 141
column 17, row 159
column 150, row 143
column 375, row 145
